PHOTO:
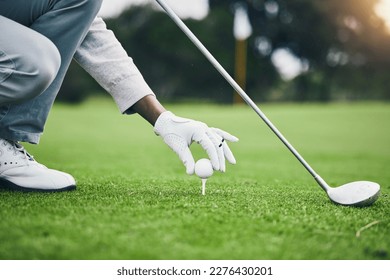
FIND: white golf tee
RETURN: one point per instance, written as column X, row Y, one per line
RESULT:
column 204, row 186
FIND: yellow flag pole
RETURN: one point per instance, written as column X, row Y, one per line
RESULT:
column 240, row 68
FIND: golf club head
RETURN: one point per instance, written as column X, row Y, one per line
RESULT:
column 360, row 193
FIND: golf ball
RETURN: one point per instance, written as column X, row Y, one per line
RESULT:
column 203, row 168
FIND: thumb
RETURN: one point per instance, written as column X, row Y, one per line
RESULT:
column 180, row 147
column 188, row 161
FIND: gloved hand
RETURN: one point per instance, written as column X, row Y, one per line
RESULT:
column 179, row 133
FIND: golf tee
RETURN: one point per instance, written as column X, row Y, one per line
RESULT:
column 204, row 186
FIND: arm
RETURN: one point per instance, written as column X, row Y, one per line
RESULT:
column 103, row 57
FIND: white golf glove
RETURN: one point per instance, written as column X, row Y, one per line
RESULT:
column 178, row 133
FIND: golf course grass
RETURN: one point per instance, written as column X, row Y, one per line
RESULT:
column 134, row 200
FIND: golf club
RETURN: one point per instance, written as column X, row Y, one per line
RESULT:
column 359, row 193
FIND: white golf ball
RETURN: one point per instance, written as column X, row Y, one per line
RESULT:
column 203, row 168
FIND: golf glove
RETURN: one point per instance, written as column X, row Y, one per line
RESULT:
column 179, row 133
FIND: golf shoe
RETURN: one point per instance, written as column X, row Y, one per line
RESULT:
column 20, row 171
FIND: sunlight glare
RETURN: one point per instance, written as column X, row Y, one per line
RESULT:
column 383, row 10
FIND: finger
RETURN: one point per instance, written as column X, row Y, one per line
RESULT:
column 180, row 147
column 217, row 142
column 211, row 151
column 188, row 161
column 225, row 135
column 228, row 153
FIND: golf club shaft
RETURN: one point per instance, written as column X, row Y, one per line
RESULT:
column 238, row 89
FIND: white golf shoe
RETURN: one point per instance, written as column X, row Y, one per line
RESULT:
column 19, row 171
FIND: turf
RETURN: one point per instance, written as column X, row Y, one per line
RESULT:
column 134, row 200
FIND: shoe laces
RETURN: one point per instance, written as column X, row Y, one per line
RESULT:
column 19, row 149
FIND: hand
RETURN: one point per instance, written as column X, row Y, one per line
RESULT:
column 179, row 133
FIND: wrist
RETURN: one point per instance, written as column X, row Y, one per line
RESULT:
column 149, row 108
column 162, row 121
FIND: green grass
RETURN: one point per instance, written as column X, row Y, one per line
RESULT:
column 134, row 200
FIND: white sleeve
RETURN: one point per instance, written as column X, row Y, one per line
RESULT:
column 104, row 58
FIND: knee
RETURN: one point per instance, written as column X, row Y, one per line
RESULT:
column 47, row 64
column 42, row 65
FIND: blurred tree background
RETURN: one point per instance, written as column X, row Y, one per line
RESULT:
column 343, row 48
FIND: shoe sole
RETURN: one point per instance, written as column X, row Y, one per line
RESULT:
column 9, row 185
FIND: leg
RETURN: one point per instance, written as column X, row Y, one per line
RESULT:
column 65, row 23
column 26, row 69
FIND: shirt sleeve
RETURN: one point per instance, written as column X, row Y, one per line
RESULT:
column 104, row 58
